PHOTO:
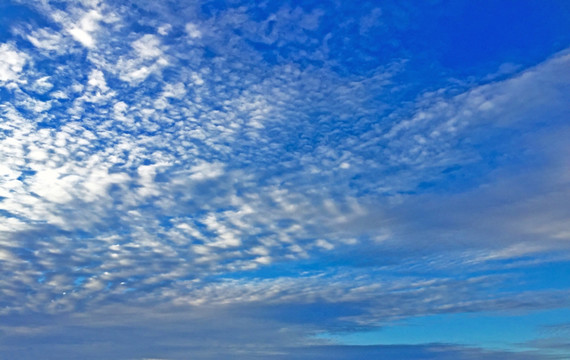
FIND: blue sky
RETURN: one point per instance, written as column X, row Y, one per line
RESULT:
column 284, row 180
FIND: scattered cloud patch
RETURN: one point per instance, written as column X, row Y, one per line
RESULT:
column 84, row 29
column 12, row 62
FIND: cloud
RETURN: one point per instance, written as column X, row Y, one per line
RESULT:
column 230, row 164
column 148, row 58
column 12, row 62
column 47, row 39
column 209, row 334
column 82, row 31
column 222, row 209
column 193, row 31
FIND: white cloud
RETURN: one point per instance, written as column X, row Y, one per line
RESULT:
column 148, row 58
column 324, row 244
column 12, row 62
column 97, row 79
column 225, row 236
column 193, row 31
column 197, row 79
column 5, row 255
column 54, row 186
column 265, row 260
column 206, row 170
column 42, row 85
column 148, row 47
column 46, row 39
column 84, row 29
column 164, row 29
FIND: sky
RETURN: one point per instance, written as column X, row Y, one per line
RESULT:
column 284, row 180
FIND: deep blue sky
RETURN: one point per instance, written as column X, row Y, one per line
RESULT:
column 284, row 180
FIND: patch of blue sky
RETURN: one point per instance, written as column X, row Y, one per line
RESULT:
column 485, row 153
column 545, row 275
column 487, row 330
column 80, row 280
column 490, row 33
column 11, row 13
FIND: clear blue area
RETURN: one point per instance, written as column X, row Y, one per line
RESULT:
column 492, row 331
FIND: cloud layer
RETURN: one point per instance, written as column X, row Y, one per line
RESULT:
column 270, row 160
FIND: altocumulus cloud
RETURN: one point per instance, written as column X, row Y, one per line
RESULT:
column 249, row 179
